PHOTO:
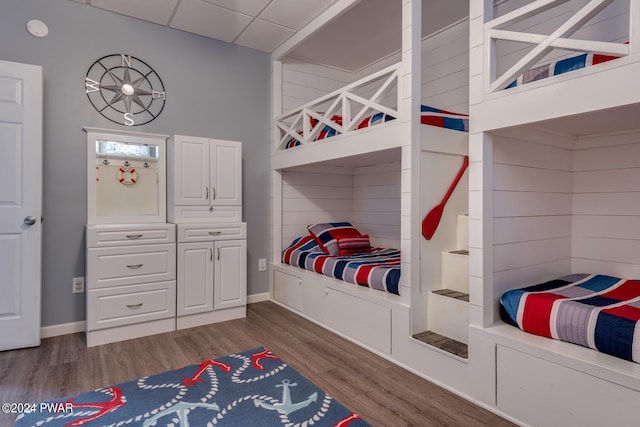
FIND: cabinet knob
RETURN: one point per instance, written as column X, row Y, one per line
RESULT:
column 215, row 233
column 326, row 291
column 134, row 306
column 134, row 266
column 134, row 236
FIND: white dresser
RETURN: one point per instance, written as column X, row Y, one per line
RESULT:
column 131, row 281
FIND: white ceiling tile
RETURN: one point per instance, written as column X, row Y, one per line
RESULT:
column 248, row 7
column 264, row 36
column 208, row 20
column 294, row 13
column 158, row 11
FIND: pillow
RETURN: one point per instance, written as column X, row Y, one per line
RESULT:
column 327, row 235
column 354, row 245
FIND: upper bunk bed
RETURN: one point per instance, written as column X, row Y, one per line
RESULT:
column 335, row 104
column 534, row 60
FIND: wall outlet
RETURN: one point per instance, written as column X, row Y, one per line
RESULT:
column 77, row 285
column 262, row 264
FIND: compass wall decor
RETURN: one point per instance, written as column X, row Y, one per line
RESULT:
column 125, row 90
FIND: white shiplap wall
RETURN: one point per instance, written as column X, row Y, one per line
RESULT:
column 376, row 203
column 444, row 74
column 532, row 192
column 606, row 205
column 368, row 197
column 561, row 209
column 313, row 195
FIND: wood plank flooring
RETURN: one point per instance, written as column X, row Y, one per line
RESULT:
column 381, row 392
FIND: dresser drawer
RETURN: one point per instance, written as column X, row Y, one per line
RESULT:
column 118, row 235
column 125, row 305
column 127, row 265
column 209, row 232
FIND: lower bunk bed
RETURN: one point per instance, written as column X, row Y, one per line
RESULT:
column 343, row 284
column 568, row 345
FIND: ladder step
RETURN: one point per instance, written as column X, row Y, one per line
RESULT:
column 460, row 252
column 443, row 343
column 452, row 294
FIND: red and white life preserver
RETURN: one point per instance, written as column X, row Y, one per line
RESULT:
column 127, row 176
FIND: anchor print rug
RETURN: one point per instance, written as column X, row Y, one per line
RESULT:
column 252, row 388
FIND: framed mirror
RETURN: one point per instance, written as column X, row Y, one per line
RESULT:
column 126, row 177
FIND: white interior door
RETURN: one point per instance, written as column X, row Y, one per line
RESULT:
column 20, row 204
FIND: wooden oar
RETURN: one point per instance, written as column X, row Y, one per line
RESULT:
column 431, row 221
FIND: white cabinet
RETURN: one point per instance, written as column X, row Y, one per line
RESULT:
column 205, row 180
column 131, row 281
column 212, row 273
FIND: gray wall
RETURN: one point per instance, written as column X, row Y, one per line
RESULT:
column 214, row 89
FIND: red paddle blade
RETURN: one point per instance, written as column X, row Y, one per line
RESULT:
column 431, row 221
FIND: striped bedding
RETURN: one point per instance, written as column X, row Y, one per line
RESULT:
column 560, row 67
column 428, row 116
column 378, row 269
column 595, row 311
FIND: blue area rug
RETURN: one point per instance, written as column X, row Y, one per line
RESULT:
column 252, row 388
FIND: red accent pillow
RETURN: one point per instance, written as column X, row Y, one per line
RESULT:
column 354, row 245
column 327, row 235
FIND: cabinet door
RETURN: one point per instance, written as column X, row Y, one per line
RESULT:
column 195, row 278
column 226, row 172
column 230, row 282
column 191, row 170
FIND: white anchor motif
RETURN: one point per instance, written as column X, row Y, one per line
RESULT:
column 182, row 410
column 286, row 406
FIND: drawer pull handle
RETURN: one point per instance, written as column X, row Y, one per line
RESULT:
column 215, row 233
column 134, row 306
column 134, row 266
column 134, row 236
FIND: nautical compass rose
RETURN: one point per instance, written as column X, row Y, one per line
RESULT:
column 125, row 90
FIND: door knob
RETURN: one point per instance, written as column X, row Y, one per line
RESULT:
column 30, row 220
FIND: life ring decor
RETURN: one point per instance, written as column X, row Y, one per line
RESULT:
column 127, row 176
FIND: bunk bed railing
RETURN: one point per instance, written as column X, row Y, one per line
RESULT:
column 352, row 104
column 543, row 44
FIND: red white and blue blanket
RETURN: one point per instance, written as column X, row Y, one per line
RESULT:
column 252, row 388
column 377, row 269
column 595, row 311
column 428, row 116
column 560, row 67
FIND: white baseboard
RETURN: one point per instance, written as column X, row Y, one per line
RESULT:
column 258, row 297
column 73, row 327
column 61, row 329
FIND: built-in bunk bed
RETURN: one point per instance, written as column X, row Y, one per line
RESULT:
column 371, row 156
column 555, row 219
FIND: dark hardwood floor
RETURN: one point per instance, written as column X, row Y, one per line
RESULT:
column 381, row 392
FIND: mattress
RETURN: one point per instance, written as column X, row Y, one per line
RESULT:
column 378, row 269
column 595, row 311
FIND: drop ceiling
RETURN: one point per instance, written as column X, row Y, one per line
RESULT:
column 365, row 33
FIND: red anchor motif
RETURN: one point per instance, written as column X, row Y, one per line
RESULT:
column 104, row 407
column 345, row 422
column 257, row 357
column 188, row 382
